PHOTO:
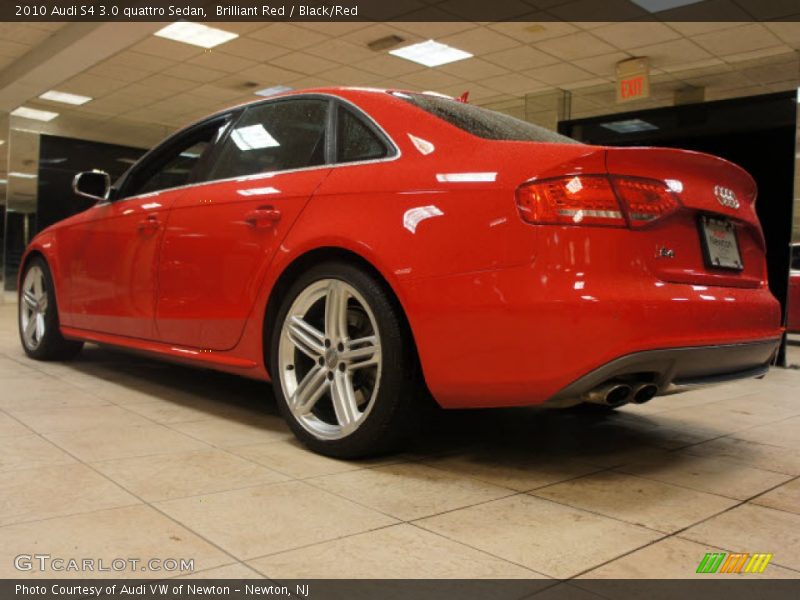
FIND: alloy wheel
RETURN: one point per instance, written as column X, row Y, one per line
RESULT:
column 33, row 299
column 329, row 358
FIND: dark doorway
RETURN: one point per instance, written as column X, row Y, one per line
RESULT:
column 757, row 133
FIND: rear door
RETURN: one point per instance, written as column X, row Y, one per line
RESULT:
column 221, row 235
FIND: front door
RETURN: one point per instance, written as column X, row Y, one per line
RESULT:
column 111, row 256
column 221, row 236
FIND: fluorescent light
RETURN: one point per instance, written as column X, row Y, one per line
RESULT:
column 431, row 53
column 3, row 181
column 65, row 97
column 629, row 126
column 465, row 177
column 253, row 137
column 33, row 113
column 22, row 175
column 271, row 91
column 654, row 6
column 196, row 34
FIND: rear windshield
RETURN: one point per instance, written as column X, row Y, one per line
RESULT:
column 482, row 122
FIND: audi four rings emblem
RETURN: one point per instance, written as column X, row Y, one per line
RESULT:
column 726, row 196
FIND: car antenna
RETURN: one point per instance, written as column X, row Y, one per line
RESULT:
column 464, row 98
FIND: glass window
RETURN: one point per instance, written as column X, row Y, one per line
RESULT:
column 482, row 122
column 796, row 257
column 276, row 136
column 175, row 165
column 355, row 140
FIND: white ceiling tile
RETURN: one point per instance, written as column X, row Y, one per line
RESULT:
column 137, row 60
column 388, row 65
column 220, row 61
column 168, row 82
column 343, row 76
column 157, row 46
column 604, row 65
column 434, row 29
column 575, row 45
column 376, row 31
column 430, row 79
column 341, row 51
column 267, row 75
column 514, row 83
column 559, row 74
column 480, row 40
column 744, row 38
column 111, row 71
column 472, row 69
column 781, row 49
column 252, row 49
column 533, row 32
column 631, row 35
column 288, row 36
column 521, row 58
column 306, row 64
column 788, row 32
column 194, row 73
column 672, row 54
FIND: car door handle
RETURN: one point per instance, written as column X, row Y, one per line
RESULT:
column 262, row 217
column 149, row 224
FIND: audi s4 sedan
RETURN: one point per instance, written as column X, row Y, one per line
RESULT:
column 363, row 249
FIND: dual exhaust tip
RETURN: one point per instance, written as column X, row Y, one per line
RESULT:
column 617, row 393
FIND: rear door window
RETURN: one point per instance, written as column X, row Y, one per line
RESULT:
column 356, row 140
column 275, row 136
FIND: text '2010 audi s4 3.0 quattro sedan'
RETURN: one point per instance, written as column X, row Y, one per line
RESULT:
column 361, row 248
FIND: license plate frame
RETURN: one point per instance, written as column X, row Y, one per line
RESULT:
column 720, row 243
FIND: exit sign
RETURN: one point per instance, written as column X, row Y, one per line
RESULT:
column 633, row 80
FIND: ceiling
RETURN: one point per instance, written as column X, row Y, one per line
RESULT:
column 144, row 86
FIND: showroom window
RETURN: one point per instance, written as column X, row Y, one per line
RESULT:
column 478, row 121
column 287, row 134
column 176, row 164
column 355, row 140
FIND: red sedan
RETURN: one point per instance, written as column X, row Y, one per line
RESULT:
column 793, row 304
column 359, row 247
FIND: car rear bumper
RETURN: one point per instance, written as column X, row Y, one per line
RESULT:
column 676, row 368
column 522, row 336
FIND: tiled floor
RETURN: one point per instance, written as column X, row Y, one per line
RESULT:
column 115, row 456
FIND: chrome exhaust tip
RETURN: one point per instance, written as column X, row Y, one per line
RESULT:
column 609, row 394
column 644, row 393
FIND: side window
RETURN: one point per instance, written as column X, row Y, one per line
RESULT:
column 355, row 140
column 276, row 136
column 175, row 165
column 796, row 258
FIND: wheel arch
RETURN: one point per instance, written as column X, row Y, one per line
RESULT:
column 316, row 256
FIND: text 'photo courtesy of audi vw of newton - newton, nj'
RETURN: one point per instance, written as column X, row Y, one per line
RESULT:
column 365, row 249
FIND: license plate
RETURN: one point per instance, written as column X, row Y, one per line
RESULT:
column 720, row 246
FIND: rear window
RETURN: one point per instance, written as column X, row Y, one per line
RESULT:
column 482, row 122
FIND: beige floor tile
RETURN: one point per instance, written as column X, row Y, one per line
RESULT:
column 297, row 461
column 785, row 433
column 55, row 395
column 226, row 432
column 46, row 492
column 30, row 451
column 234, row 571
column 714, row 475
column 54, row 420
column 131, row 532
column 399, row 552
column 183, row 411
column 785, row 497
column 122, row 442
column 12, row 427
column 183, row 474
column 671, row 558
column 757, row 454
column 520, row 471
column 410, row 491
column 549, row 538
column 637, row 500
column 751, row 528
column 270, row 518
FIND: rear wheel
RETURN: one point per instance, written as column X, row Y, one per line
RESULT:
column 342, row 363
column 39, row 329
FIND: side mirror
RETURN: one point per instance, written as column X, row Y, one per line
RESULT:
column 92, row 184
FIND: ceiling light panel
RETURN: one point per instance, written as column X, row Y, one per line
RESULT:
column 196, row 34
column 33, row 113
column 271, row 91
column 65, row 97
column 431, row 53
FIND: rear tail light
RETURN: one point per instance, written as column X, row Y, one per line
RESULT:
column 596, row 200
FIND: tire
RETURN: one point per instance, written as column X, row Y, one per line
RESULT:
column 343, row 363
column 39, row 329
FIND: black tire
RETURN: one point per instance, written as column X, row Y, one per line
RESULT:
column 394, row 414
column 52, row 345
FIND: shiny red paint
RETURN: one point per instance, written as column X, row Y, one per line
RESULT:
column 793, row 303
column 502, row 312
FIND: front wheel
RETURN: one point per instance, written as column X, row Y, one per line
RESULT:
column 342, row 363
column 39, row 329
